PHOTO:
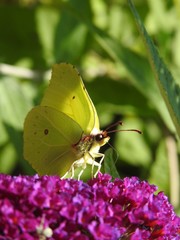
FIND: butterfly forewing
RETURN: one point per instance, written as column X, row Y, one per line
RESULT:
column 66, row 93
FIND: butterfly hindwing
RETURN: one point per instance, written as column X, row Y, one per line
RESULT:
column 48, row 140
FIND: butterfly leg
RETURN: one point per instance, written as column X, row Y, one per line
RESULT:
column 81, row 172
column 89, row 159
column 92, row 162
column 64, row 176
column 78, row 163
column 100, row 163
column 71, row 170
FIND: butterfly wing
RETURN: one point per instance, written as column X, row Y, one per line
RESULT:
column 48, row 138
column 66, row 93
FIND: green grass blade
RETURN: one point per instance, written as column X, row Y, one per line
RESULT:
column 169, row 89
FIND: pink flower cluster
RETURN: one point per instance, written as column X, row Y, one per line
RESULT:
column 33, row 207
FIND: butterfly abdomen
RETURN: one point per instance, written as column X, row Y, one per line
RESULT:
column 83, row 146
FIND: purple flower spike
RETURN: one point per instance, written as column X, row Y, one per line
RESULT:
column 33, row 207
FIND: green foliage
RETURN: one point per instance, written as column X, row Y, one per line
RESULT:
column 107, row 42
column 170, row 90
column 109, row 163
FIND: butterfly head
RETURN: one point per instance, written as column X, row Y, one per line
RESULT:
column 101, row 138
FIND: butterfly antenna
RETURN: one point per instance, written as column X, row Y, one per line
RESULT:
column 125, row 130
column 107, row 130
column 114, row 125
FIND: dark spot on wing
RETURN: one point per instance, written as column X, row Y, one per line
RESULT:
column 46, row 131
column 73, row 97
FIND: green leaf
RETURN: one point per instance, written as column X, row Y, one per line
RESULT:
column 13, row 102
column 131, row 146
column 120, row 96
column 4, row 136
column 19, row 39
column 136, row 65
column 47, row 19
column 159, row 173
column 8, row 158
column 169, row 89
column 71, row 33
column 109, row 163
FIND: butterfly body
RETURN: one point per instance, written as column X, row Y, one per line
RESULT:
column 62, row 133
column 87, row 149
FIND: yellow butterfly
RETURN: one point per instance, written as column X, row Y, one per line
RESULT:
column 62, row 133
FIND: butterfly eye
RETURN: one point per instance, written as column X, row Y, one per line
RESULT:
column 99, row 137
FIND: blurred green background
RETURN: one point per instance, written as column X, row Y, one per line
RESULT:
column 101, row 39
